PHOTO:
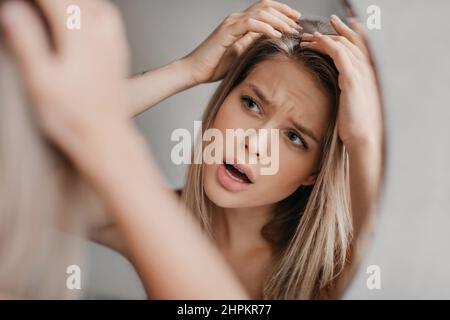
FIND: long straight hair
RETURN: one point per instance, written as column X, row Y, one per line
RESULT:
column 311, row 229
column 41, row 195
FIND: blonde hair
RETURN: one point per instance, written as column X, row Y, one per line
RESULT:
column 40, row 196
column 311, row 230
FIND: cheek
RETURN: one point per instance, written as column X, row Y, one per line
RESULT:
column 294, row 168
column 208, row 179
column 286, row 181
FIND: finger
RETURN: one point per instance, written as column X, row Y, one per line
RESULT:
column 244, row 43
column 344, row 30
column 357, row 27
column 354, row 37
column 307, row 37
column 338, row 52
column 355, row 51
column 361, row 31
column 285, row 18
column 254, row 25
column 283, row 8
column 26, row 37
column 274, row 21
column 55, row 15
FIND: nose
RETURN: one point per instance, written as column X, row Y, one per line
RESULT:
column 252, row 144
column 259, row 144
column 246, row 147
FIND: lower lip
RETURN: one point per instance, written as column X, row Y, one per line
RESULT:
column 228, row 182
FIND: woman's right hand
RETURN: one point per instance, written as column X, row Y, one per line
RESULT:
column 210, row 61
column 75, row 81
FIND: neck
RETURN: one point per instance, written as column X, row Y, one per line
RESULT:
column 239, row 229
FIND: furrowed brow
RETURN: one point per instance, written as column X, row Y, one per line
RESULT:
column 305, row 131
column 298, row 126
column 259, row 93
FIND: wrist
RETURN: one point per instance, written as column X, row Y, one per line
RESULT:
column 184, row 71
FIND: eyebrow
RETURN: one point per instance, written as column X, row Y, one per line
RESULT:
column 297, row 125
column 305, row 131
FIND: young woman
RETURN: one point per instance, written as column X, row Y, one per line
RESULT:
column 288, row 235
column 295, row 234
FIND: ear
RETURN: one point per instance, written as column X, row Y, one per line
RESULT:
column 311, row 179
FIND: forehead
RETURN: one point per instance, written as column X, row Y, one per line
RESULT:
column 292, row 90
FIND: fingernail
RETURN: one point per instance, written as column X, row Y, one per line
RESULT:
column 298, row 26
column 335, row 18
column 317, row 33
column 295, row 31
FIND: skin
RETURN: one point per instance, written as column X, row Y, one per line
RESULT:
column 212, row 58
column 82, row 111
column 61, row 104
column 243, row 213
column 294, row 97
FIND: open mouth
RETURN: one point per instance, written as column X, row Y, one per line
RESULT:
column 236, row 174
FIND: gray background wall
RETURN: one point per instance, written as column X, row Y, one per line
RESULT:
column 411, row 243
column 412, row 240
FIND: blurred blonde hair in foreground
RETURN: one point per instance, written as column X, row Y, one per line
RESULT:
column 41, row 195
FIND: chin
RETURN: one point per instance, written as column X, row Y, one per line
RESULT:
column 220, row 197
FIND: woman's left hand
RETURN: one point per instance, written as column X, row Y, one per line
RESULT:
column 360, row 128
column 359, row 116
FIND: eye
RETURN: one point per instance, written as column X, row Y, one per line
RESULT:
column 296, row 139
column 250, row 104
